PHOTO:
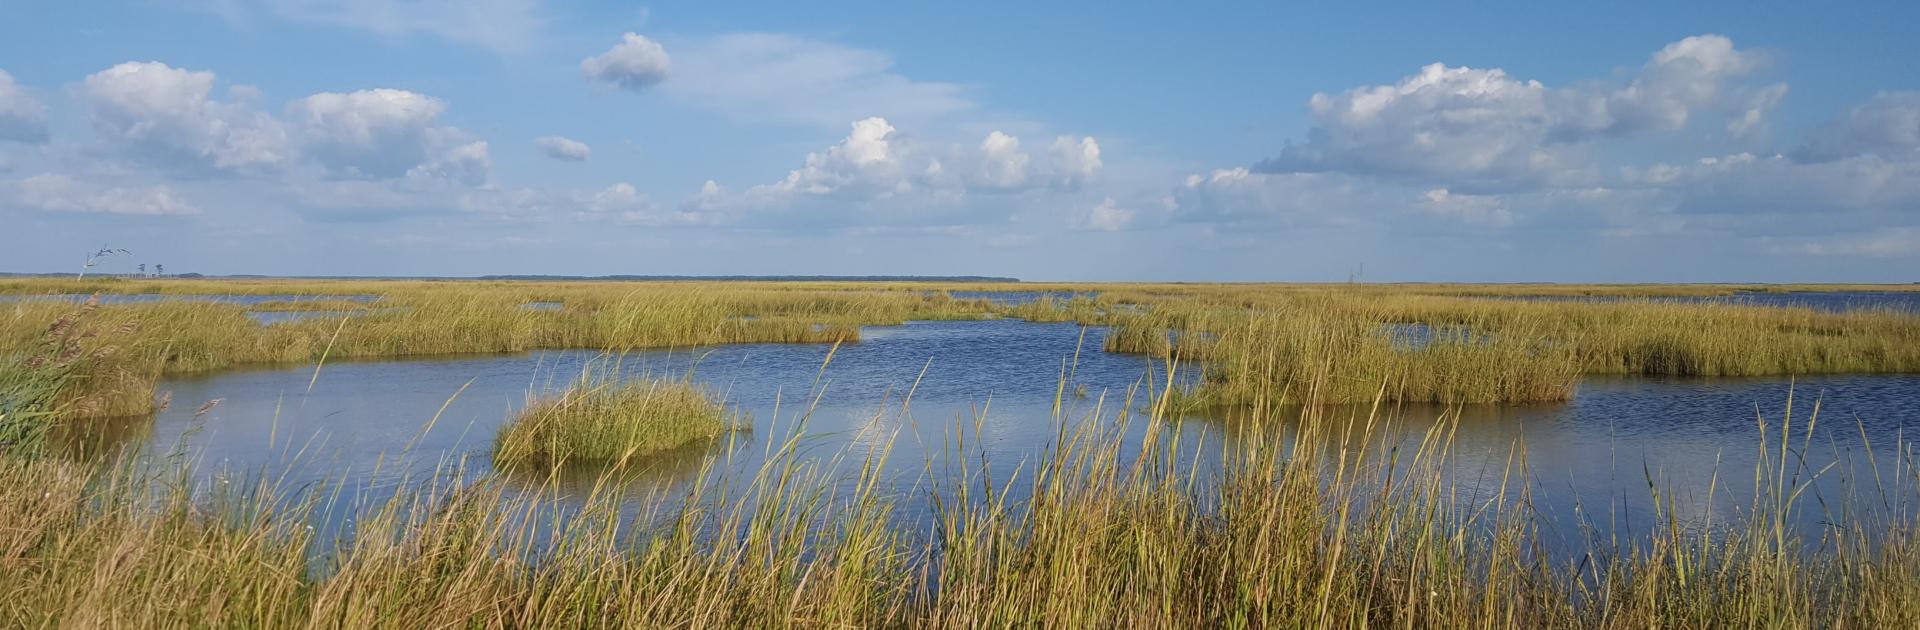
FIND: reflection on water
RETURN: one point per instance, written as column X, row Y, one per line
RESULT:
column 985, row 391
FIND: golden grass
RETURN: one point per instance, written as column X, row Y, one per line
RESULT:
column 1337, row 336
column 275, row 306
column 1346, row 342
column 1324, row 526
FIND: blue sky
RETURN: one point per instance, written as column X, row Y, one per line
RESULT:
column 1069, row 141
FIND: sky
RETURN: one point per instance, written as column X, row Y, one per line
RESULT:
column 1110, row 141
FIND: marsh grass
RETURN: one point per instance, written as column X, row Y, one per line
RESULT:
column 604, row 419
column 276, row 306
column 1251, row 336
column 1495, row 351
column 1344, row 520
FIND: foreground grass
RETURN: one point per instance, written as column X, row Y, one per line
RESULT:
column 607, row 420
column 1324, row 526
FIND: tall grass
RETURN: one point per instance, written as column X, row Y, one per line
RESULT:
column 1327, row 524
column 1454, row 349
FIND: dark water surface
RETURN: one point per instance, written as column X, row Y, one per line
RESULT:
column 370, row 426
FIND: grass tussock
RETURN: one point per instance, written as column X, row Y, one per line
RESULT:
column 606, row 420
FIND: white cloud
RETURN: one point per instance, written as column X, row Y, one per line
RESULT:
column 1002, row 165
column 635, row 63
column 621, row 196
column 384, row 134
column 1107, row 217
column 165, row 115
column 1238, row 196
column 1685, row 77
column 762, row 76
column 1076, row 161
column 23, row 118
column 1468, row 124
column 561, row 148
column 1888, row 126
column 59, row 193
column 866, row 162
column 468, row 164
column 1477, row 209
column 876, row 164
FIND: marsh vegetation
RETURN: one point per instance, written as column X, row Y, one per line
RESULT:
column 1323, row 492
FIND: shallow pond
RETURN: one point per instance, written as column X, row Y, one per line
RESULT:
column 369, row 426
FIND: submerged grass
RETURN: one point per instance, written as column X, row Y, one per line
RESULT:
column 603, row 420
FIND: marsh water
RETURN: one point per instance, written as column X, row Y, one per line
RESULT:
column 935, row 395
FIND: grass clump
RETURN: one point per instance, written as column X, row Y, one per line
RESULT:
column 604, row 420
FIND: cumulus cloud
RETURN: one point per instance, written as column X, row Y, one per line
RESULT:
column 384, row 134
column 1239, row 196
column 1001, row 163
column 23, row 118
column 166, row 115
column 1477, row 209
column 59, row 193
column 869, row 163
column 561, row 148
column 467, row 164
column 766, row 76
column 1887, row 126
column 1684, row 78
column 1076, row 161
column 618, row 197
column 875, row 166
column 1461, row 123
column 634, row 63
column 1107, row 216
